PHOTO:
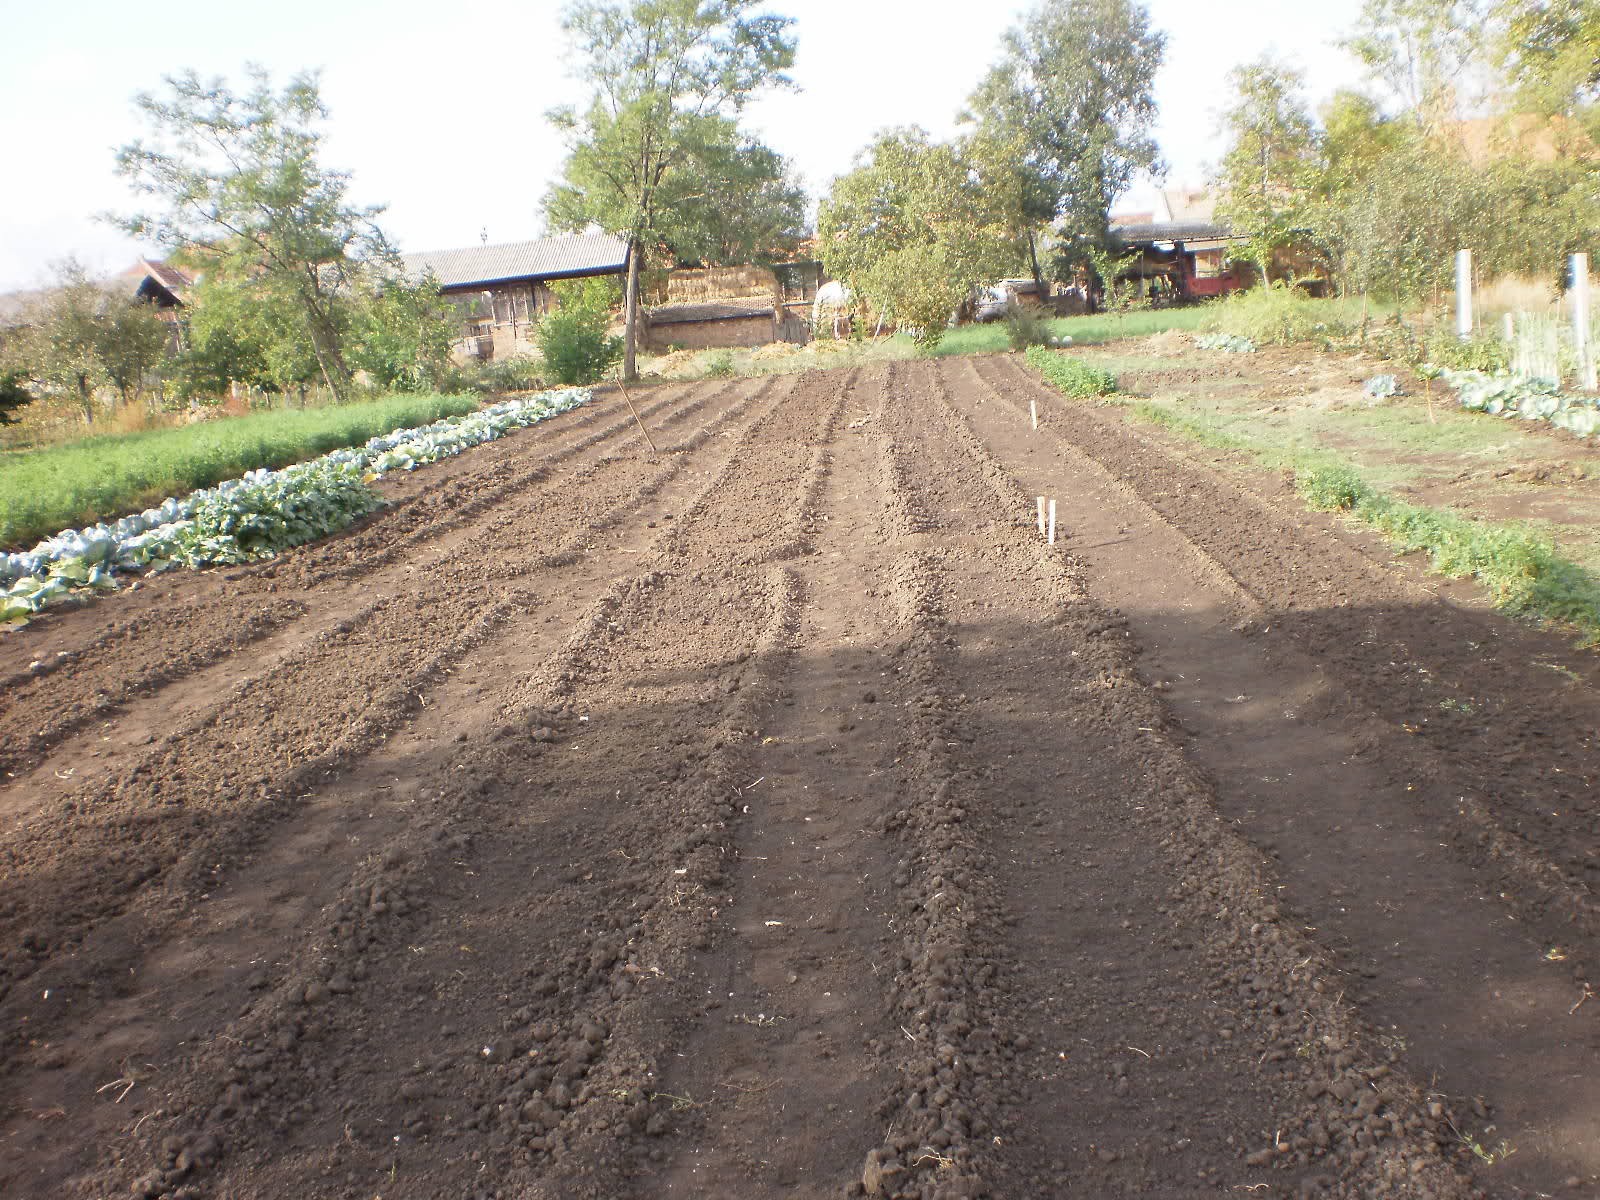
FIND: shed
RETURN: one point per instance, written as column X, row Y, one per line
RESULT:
column 502, row 290
column 1190, row 256
column 709, row 326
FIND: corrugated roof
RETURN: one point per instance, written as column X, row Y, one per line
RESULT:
column 542, row 258
column 1169, row 231
column 676, row 314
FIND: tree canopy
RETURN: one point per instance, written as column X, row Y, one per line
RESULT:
column 667, row 76
column 912, row 228
column 1073, row 92
column 240, row 191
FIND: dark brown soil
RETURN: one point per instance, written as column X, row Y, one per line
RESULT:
column 780, row 816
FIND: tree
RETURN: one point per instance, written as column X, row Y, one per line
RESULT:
column 403, row 333
column 1422, row 51
column 242, row 194
column 1267, row 171
column 912, row 228
column 59, row 346
column 13, row 395
column 732, row 200
column 1550, row 49
column 664, row 72
column 1074, row 91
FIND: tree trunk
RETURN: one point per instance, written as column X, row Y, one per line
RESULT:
column 631, row 315
column 1033, row 257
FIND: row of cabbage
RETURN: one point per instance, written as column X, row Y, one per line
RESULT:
column 256, row 515
column 1228, row 343
column 1519, row 396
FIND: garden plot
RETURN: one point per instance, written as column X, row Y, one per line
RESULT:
column 780, row 815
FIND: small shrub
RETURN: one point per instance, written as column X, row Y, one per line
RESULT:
column 1333, row 489
column 1279, row 315
column 1070, row 374
column 720, row 365
column 577, row 349
column 1025, row 328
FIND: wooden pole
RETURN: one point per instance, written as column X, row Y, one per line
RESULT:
column 1464, row 294
column 1579, row 291
column 1041, row 516
column 1052, row 520
column 636, row 416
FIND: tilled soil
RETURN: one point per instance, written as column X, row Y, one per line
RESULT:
column 779, row 815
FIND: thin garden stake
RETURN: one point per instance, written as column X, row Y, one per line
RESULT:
column 1041, row 516
column 636, row 415
column 1033, row 407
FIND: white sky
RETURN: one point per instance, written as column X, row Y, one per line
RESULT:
column 440, row 117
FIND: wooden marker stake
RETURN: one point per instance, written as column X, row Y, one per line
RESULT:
column 1052, row 520
column 1041, row 516
column 1033, row 407
column 636, row 415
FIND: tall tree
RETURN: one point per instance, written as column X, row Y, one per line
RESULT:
column 1266, row 174
column 242, row 193
column 913, row 229
column 1424, row 52
column 732, row 200
column 1551, row 51
column 664, row 72
column 1074, row 91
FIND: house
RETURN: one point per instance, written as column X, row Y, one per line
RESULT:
column 501, row 291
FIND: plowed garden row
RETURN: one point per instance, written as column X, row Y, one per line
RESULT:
column 779, row 815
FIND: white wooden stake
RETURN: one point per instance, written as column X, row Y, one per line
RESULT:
column 1052, row 520
column 1579, row 293
column 1463, row 294
column 1033, row 407
column 1041, row 516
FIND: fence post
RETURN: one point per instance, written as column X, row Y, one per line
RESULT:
column 1580, row 320
column 1463, row 294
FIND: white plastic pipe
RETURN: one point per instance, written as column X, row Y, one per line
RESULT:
column 1052, row 520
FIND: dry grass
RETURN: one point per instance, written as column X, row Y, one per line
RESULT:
column 1514, row 294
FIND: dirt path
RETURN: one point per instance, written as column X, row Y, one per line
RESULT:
column 780, row 816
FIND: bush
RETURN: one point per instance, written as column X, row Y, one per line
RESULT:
column 1279, row 315
column 1025, row 328
column 720, row 365
column 576, row 347
column 12, row 396
column 519, row 373
column 1070, row 374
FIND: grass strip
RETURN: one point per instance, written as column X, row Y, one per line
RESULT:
column 100, row 478
column 1070, row 374
column 1522, row 571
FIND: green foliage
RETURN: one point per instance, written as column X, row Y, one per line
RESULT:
column 1074, row 91
column 403, row 332
column 242, row 194
column 518, row 373
column 573, row 340
column 1422, row 52
column 1279, row 315
column 912, row 230
column 1071, row 374
column 1269, row 166
column 13, row 395
column 42, row 491
column 256, row 520
column 1025, row 327
column 1522, row 571
column 720, row 365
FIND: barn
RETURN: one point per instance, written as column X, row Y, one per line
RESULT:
column 502, row 290
column 709, row 326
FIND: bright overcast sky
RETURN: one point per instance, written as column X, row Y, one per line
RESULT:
column 440, row 116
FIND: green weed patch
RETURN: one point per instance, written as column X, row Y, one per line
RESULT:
column 1071, row 374
column 1522, row 571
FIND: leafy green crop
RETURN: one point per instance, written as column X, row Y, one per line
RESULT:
column 1071, row 374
